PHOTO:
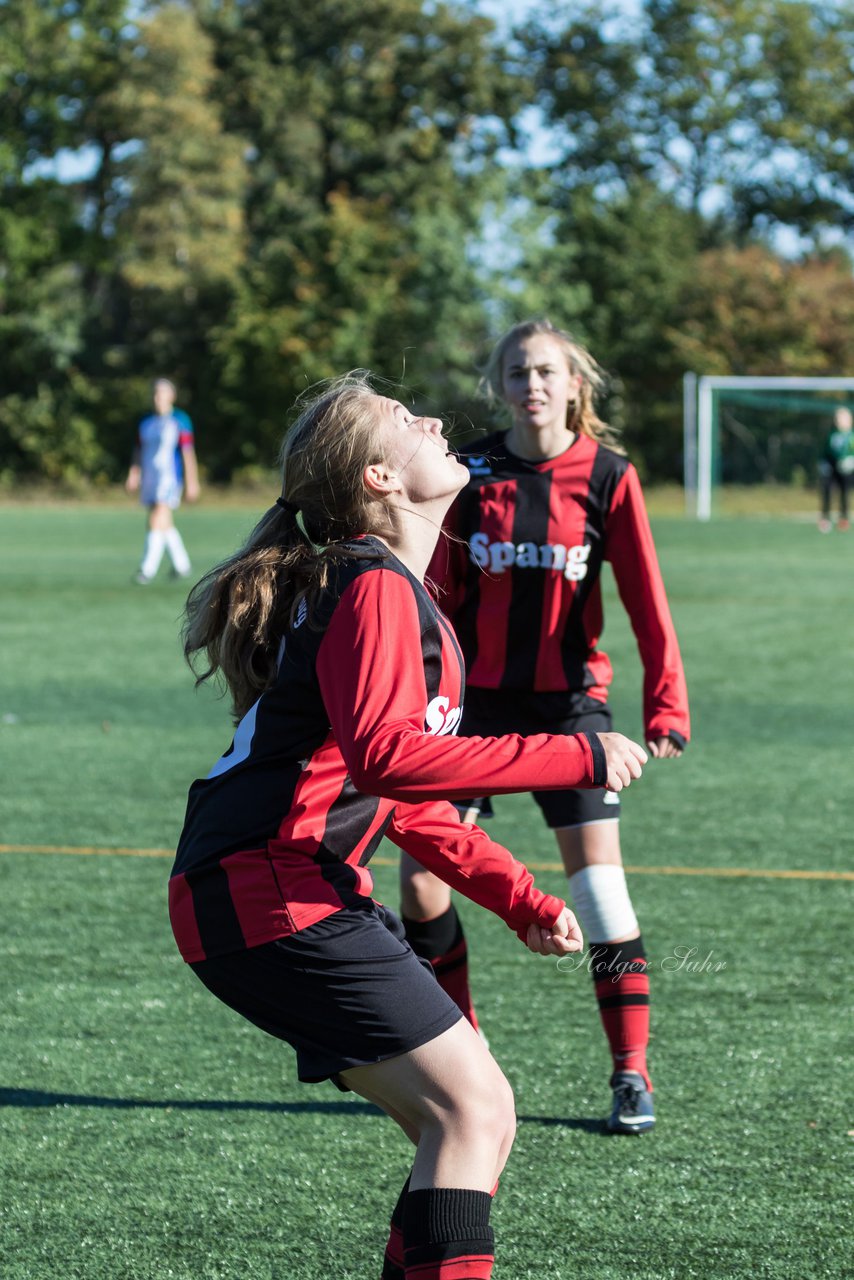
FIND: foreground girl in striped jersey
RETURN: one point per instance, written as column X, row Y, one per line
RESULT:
column 548, row 501
column 347, row 686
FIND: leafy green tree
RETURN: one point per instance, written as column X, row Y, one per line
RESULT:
column 688, row 128
column 742, row 107
column 180, row 225
column 271, row 193
column 176, row 245
column 124, row 271
column 611, row 269
column 748, row 311
column 636, row 253
column 47, row 52
column 374, row 124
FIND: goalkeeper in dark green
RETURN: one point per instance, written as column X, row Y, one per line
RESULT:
column 836, row 469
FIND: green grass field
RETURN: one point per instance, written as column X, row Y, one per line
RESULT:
column 147, row 1133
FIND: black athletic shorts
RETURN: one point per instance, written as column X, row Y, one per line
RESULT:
column 490, row 713
column 345, row 992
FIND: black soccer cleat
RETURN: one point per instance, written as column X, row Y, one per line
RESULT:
column 633, row 1111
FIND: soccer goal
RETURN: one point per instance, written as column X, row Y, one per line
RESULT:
column 752, row 430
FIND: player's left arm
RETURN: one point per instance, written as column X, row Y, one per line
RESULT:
column 186, row 442
column 631, row 550
column 464, row 856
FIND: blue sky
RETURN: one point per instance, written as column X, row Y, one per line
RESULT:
column 510, row 12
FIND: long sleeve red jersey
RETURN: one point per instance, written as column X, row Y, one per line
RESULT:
column 354, row 741
column 522, row 581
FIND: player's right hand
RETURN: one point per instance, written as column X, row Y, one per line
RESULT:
column 563, row 937
column 625, row 760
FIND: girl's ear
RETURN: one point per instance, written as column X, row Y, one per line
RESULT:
column 380, row 480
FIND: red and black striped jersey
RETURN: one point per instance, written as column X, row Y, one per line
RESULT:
column 523, row 585
column 353, row 741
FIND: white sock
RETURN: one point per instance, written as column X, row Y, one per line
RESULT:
column 177, row 550
column 153, row 553
column 600, row 899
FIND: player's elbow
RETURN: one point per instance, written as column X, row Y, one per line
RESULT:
column 370, row 771
column 379, row 770
column 364, row 778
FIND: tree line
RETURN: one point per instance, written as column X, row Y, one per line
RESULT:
column 248, row 196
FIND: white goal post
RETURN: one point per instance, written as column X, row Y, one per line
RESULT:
column 698, row 412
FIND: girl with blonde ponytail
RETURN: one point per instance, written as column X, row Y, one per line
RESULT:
column 347, row 685
column 550, row 499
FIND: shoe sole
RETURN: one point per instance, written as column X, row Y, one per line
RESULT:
column 645, row 1126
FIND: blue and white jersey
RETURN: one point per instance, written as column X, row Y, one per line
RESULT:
column 161, row 438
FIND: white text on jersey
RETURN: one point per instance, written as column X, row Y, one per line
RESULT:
column 441, row 717
column 497, row 557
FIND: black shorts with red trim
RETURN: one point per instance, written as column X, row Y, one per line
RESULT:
column 345, row 992
column 490, row 713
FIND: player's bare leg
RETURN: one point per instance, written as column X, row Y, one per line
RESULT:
column 597, row 885
column 452, row 1095
column 162, row 520
column 158, row 523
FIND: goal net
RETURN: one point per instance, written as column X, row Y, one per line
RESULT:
column 755, row 430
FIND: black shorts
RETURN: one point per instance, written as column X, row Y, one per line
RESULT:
column 490, row 713
column 345, row 992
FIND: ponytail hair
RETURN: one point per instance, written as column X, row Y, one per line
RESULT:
column 581, row 416
column 236, row 615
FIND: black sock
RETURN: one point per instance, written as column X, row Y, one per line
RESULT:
column 446, row 1231
column 393, row 1257
column 441, row 941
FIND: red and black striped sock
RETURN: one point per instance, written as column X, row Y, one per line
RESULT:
column 393, row 1256
column 443, row 943
column 446, row 1234
column 621, row 981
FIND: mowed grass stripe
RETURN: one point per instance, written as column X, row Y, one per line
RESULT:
column 732, row 872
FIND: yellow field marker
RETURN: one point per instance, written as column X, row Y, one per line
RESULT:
column 727, row 872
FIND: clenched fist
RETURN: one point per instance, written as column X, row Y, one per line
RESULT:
column 564, row 936
column 625, row 760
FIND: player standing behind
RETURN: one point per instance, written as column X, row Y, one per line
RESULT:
column 348, row 681
column 836, row 469
column 164, row 463
column 547, row 503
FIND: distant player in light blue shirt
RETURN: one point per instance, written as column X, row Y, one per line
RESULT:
column 164, row 465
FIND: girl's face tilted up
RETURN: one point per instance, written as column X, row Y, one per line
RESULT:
column 419, row 465
column 537, row 383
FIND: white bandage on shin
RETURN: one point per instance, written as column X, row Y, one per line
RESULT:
column 600, row 899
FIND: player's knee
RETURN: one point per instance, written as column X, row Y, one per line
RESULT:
column 508, row 1120
column 160, row 517
column 487, row 1107
column 503, row 1116
column 424, row 896
column 601, row 900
